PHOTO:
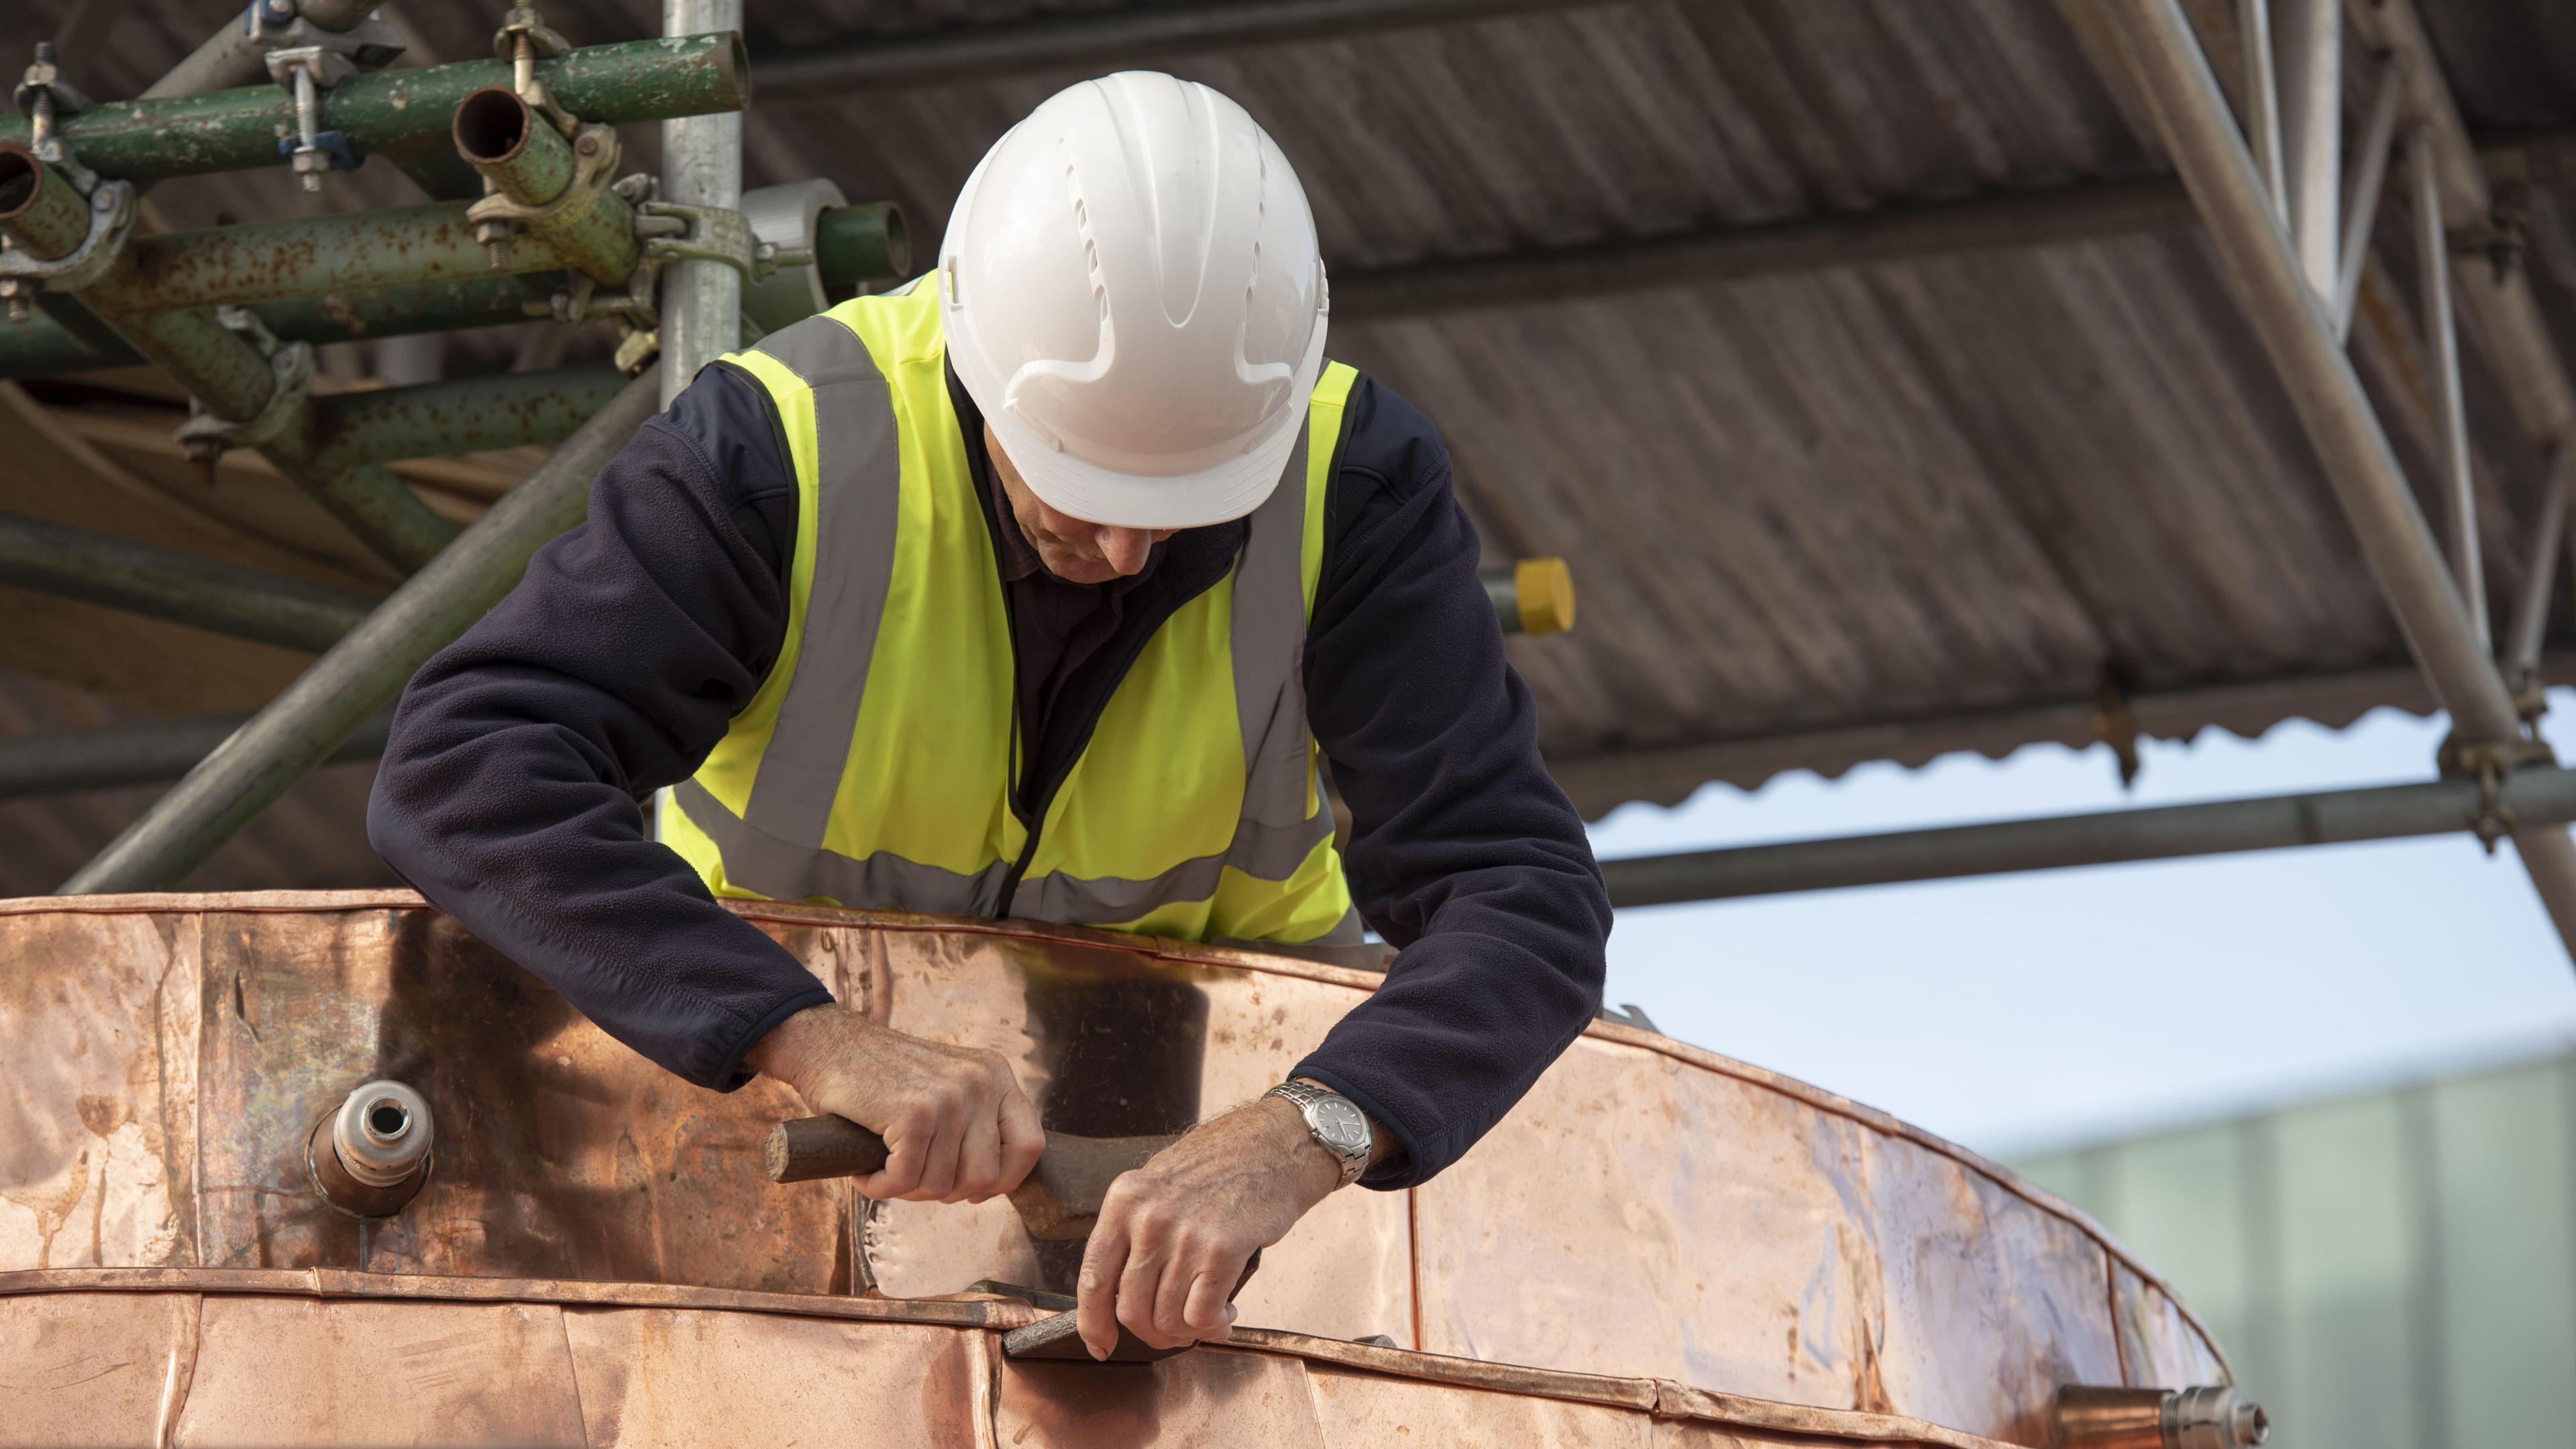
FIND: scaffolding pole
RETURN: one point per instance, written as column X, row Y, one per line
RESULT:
column 2442, row 345
column 701, row 166
column 160, row 583
column 2370, row 174
column 362, row 673
column 2175, row 80
column 155, row 752
column 2549, row 539
column 2537, row 799
column 2309, row 51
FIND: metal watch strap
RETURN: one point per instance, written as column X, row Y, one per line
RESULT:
column 1302, row 1096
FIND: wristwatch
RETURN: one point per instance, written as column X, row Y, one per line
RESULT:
column 1342, row 1128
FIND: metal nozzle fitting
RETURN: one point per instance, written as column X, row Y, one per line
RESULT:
column 2209, row 1417
column 382, row 1133
column 2214, row 1417
column 371, row 1155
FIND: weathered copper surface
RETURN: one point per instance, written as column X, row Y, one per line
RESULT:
column 1668, row 1237
column 648, row 1362
column 253, row 1359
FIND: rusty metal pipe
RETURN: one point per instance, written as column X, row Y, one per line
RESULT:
column 854, row 245
column 42, row 346
column 41, row 211
column 309, row 256
column 379, row 509
column 363, row 672
column 527, row 160
column 161, row 583
column 460, row 415
column 226, row 374
column 397, row 113
column 216, row 367
column 154, row 752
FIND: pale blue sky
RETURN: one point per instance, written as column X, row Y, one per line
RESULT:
column 2023, row 1012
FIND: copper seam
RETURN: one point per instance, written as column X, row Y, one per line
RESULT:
column 1413, row 1260
column 572, row 1371
column 2119, row 1338
column 1662, row 1398
column 1168, row 949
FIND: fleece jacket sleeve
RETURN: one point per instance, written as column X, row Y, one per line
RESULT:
column 1464, row 854
column 509, row 792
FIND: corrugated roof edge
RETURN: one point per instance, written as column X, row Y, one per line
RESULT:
column 1668, row 775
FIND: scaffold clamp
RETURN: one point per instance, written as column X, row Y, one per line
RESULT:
column 111, row 216
column 2488, row 764
column 206, row 436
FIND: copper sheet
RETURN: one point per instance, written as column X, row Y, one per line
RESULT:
column 98, row 1049
column 90, row 1368
column 2162, row 1348
column 560, row 1153
column 1652, row 1212
column 1365, row 1411
column 1754, row 1241
column 291, row 1371
column 727, row 1365
column 1207, row 1396
column 688, row 1378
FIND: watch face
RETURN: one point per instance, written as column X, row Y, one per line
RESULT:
column 1339, row 1124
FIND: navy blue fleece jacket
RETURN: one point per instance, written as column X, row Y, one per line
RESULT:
column 509, row 795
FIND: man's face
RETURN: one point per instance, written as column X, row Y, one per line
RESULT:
column 1072, row 550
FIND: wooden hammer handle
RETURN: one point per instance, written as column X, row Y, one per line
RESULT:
column 812, row 1147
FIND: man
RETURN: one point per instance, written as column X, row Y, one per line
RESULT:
column 1033, row 589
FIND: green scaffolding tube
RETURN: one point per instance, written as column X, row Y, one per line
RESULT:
column 400, row 113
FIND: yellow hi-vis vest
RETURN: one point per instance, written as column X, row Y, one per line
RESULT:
column 874, row 766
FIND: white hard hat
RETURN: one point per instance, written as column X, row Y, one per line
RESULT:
column 1134, row 298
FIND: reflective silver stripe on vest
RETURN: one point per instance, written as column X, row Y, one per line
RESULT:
column 858, row 474
column 1268, row 642
column 785, row 871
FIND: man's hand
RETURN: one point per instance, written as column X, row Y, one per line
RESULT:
column 956, row 1124
column 1175, row 1233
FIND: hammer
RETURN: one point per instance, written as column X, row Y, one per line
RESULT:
column 1059, row 1201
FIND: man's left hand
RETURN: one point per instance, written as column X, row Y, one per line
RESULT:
column 1175, row 1233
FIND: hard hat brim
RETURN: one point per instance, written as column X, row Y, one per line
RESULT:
column 1104, row 496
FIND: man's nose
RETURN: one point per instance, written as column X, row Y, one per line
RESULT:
column 1125, row 548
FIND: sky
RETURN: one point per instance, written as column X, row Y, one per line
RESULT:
column 2018, row 1014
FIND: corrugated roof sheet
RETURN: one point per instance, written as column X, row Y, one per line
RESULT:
column 1866, row 496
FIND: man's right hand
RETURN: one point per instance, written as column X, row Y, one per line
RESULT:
column 956, row 1124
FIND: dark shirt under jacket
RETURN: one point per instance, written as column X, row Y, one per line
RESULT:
column 509, row 794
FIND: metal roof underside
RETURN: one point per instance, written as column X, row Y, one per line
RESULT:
column 1819, row 510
